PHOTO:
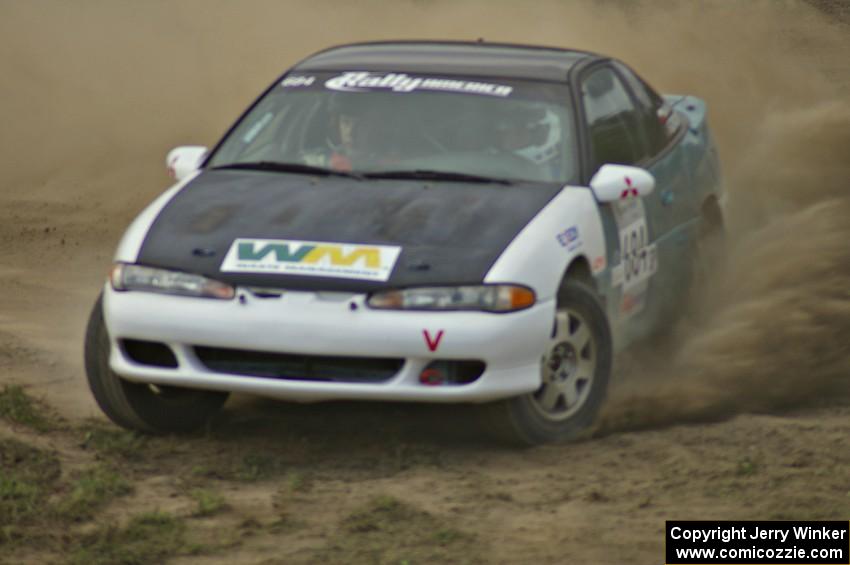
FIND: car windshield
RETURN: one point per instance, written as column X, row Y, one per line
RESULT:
column 406, row 126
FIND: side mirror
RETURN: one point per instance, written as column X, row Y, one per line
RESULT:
column 183, row 161
column 619, row 182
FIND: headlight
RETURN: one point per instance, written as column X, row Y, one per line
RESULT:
column 489, row 298
column 137, row 277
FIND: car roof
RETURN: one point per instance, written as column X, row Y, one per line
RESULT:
column 502, row 60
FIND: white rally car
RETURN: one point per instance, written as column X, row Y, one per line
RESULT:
column 413, row 221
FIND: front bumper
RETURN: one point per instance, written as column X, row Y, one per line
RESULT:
column 329, row 324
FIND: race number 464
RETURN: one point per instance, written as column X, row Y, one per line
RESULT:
column 640, row 258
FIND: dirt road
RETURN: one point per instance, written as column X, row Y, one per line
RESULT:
column 745, row 414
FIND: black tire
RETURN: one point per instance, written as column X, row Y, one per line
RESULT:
column 138, row 406
column 523, row 419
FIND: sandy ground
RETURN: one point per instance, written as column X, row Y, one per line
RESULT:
column 745, row 414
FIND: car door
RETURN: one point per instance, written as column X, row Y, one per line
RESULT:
column 674, row 207
column 636, row 228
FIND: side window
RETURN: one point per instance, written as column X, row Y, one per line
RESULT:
column 658, row 120
column 613, row 121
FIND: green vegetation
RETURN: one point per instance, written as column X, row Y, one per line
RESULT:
column 236, row 465
column 27, row 476
column 36, row 515
column 148, row 538
column 383, row 512
column 746, row 466
column 257, row 466
column 208, row 502
column 114, row 442
column 298, row 482
column 388, row 530
column 18, row 407
column 91, row 491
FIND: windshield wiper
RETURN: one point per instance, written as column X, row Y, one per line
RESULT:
column 280, row 167
column 428, row 174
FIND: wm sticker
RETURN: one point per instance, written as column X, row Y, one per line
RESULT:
column 311, row 258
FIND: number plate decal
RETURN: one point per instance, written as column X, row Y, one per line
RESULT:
column 638, row 256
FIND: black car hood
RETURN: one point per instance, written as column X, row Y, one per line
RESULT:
column 449, row 232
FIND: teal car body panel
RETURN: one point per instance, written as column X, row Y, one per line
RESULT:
column 688, row 178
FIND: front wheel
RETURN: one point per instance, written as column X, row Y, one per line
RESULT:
column 138, row 406
column 575, row 371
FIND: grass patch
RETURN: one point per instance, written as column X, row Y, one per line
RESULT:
column 237, row 466
column 19, row 407
column 114, row 442
column 285, row 524
column 257, row 466
column 208, row 502
column 91, row 491
column 388, row 530
column 746, row 466
column 27, row 476
column 298, row 482
column 382, row 513
column 148, row 538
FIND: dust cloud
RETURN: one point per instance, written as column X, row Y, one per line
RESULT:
column 96, row 91
column 775, row 325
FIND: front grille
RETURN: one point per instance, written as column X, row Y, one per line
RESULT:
column 298, row 367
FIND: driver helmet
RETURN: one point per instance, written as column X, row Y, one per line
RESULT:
column 546, row 139
column 532, row 133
